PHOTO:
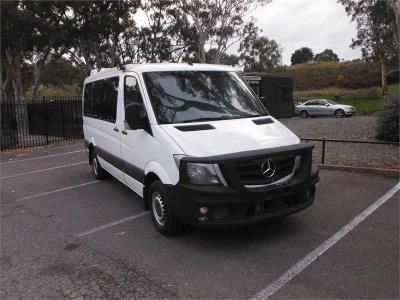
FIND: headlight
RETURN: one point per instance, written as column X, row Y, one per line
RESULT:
column 202, row 174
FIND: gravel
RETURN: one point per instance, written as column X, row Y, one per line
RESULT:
column 355, row 128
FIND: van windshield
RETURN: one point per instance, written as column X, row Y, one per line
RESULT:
column 196, row 96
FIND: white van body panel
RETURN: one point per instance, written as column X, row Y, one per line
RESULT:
column 155, row 153
column 156, row 168
column 103, row 136
column 230, row 136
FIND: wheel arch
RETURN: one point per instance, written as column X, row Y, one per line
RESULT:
column 91, row 146
column 153, row 171
column 149, row 178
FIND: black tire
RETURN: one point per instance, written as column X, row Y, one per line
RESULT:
column 98, row 172
column 304, row 114
column 163, row 218
column 339, row 113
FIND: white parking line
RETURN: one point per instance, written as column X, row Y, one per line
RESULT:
column 43, row 170
column 307, row 260
column 112, row 224
column 59, row 190
column 46, row 156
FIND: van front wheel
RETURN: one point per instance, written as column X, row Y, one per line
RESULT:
column 163, row 218
column 98, row 171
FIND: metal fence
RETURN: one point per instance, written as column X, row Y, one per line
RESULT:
column 49, row 120
column 366, row 153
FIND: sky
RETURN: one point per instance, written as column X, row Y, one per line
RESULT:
column 317, row 24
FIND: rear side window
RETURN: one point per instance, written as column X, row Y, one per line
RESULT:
column 100, row 99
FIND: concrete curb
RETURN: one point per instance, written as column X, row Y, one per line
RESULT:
column 386, row 172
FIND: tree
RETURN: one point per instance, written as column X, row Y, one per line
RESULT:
column 168, row 34
column 258, row 53
column 219, row 23
column 302, row 55
column 326, row 55
column 52, row 27
column 104, row 33
column 59, row 72
column 17, row 36
column 377, row 31
column 32, row 30
column 225, row 59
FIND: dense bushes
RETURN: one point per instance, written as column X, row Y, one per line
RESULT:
column 388, row 122
column 352, row 75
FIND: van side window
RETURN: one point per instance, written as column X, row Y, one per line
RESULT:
column 132, row 95
column 100, row 99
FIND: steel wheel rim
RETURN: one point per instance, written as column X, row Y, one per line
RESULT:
column 158, row 206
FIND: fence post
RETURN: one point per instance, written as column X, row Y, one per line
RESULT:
column 46, row 119
column 62, row 118
column 323, row 150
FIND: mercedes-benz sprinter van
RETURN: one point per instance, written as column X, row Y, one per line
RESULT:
column 196, row 143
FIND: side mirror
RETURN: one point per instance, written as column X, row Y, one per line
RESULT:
column 327, row 104
column 135, row 116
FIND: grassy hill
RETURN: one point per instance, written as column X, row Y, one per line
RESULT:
column 351, row 75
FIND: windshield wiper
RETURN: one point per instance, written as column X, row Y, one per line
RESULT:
column 246, row 116
column 204, row 119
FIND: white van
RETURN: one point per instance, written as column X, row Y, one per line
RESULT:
column 196, row 144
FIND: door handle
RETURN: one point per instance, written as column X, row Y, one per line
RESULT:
column 116, row 129
column 124, row 132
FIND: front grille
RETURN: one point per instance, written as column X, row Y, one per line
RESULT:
column 250, row 172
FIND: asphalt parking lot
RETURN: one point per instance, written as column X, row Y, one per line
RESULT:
column 65, row 235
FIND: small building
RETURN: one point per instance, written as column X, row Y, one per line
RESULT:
column 276, row 93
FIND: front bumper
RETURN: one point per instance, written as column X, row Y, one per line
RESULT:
column 350, row 113
column 236, row 205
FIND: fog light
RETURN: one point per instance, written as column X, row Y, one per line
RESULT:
column 204, row 210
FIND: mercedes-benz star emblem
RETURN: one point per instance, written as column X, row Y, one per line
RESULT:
column 268, row 168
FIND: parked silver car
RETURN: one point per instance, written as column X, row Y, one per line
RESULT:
column 324, row 107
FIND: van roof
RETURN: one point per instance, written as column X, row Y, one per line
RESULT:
column 158, row 67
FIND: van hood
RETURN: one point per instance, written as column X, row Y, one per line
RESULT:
column 229, row 136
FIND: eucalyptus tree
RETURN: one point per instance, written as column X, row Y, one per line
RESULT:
column 258, row 53
column 104, row 33
column 17, row 37
column 377, row 31
column 218, row 24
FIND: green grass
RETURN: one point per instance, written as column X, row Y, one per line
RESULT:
column 366, row 101
column 364, row 106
